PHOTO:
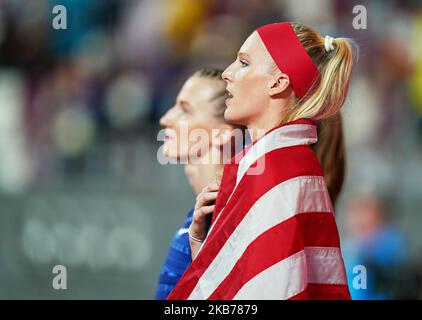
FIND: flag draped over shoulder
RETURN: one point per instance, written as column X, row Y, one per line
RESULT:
column 274, row 234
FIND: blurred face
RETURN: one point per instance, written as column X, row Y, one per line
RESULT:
column 248, row 81
column 194, row 109
column 364, row 216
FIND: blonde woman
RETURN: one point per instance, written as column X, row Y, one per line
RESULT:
column 274, row 234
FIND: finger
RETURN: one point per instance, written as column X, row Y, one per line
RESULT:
column 198, row 218
column 207, row 210
column 205, row 198
column 209, row 196
column 213, row 186
column 198, row 205
column 199, row 215
column 198, row 197
column 200, row 201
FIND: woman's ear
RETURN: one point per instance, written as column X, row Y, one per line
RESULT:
column 279, row 84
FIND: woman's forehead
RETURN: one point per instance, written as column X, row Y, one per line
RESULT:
column 249, row 42
column 254, row 47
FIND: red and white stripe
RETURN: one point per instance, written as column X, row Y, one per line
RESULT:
column 274, row 234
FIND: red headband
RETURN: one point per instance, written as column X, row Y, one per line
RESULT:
column 290, row 56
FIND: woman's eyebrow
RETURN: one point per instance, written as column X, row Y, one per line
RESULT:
column 242, row 55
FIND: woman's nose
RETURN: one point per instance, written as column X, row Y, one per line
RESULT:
column 165, row 119
column 226, row 75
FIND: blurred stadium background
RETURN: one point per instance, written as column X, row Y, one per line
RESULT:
column 80, row 184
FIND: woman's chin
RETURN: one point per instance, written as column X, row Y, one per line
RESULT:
column 170, row 152
column 232, row 117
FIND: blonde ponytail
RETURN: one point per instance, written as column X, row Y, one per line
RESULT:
column 335, row 66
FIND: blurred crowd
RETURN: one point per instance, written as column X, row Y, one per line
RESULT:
column 79, row 179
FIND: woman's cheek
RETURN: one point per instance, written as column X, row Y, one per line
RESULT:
column 242, row 72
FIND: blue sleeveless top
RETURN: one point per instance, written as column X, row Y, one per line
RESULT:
column 178, row 259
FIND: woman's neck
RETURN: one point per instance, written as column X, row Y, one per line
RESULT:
column 257, row 131
column 273, row 117
column 201, row 174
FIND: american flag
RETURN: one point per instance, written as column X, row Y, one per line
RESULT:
column 274, row 234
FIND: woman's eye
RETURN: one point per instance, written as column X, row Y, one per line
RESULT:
column 243, row 63
column 184, row 109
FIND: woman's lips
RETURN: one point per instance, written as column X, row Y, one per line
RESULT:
column 229, row 95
